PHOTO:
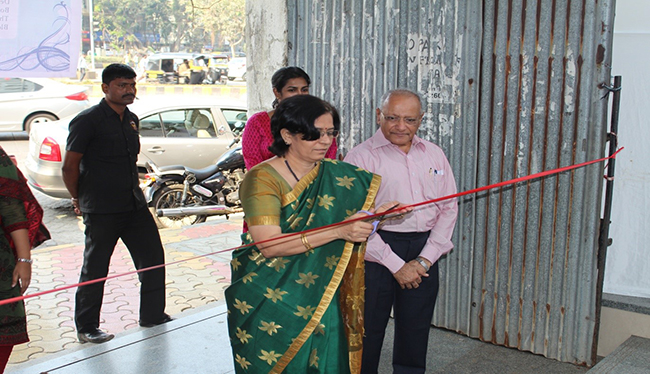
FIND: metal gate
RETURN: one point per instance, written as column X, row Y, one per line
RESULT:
column 512, row 89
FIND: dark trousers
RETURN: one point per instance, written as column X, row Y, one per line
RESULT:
column 413, row 309
column 138, row 231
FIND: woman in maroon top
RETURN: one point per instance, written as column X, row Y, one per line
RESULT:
column 256, row 139
column 21, row 229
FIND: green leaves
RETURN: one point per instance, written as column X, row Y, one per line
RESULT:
column 180, row 24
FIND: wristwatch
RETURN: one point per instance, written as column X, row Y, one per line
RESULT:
column 423, row 263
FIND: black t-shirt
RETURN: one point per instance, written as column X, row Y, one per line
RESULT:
column 108, row 180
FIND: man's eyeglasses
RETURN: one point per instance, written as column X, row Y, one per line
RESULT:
column 413, row 121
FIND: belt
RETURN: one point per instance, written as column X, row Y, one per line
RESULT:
column 406, row 235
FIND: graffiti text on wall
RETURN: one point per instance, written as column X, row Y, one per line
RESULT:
column 428, row 59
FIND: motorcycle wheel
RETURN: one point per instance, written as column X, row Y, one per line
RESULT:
column 170, row 197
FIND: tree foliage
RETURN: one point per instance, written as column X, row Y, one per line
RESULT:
column 189, row 25
column 224, row 19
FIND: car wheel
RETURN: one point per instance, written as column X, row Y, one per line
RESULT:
column 170, row 197
column 231, row 78
column 38, row 118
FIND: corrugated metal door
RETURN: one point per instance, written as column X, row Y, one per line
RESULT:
column 512, row 88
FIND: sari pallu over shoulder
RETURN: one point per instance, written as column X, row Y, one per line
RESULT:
column 304, row 311
column 14, row 185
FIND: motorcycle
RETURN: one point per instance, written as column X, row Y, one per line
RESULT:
column 179, row 196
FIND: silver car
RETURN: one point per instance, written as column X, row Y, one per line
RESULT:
column 24, row 102
column 193, row 132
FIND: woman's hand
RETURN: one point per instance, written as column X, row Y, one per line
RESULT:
column 22, row 272
column 357, row 231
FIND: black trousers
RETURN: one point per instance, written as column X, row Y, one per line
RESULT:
column 413, row 309
column 139, row 233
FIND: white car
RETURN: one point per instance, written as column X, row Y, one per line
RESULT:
column 26, row 101
column 237, row 68
column 189, row 131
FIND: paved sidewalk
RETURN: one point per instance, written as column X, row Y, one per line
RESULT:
column 190, row 284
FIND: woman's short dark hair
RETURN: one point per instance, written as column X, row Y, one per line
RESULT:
column 115, row 71
column 282, row 76
column 297, row 114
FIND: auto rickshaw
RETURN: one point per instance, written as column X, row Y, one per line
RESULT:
column 217, row 69
column 163, row 68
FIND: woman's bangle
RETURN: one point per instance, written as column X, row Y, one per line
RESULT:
column 27, row 260
column 303, row 237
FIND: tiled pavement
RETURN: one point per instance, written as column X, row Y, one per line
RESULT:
column 190, row 284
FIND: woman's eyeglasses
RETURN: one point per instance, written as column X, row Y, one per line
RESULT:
column 332, row 133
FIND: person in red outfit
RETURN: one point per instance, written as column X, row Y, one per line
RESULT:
column 256, row 139
column 21, row 229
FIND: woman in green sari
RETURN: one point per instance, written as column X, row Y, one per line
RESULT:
column 295, row 304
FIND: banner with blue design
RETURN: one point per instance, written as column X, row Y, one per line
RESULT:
column 39, row 38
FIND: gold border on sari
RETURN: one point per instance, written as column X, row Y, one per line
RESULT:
column 263, row 220
column 300, row 187
column 355, row 271
column 324, row 303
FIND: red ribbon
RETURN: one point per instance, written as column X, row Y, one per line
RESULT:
column 365, row 218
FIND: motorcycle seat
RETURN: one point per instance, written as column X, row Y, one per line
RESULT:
column 199, row 173
column 203, row 173
column 171, row 168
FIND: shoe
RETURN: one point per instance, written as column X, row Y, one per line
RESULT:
column 165, row 319
column 96, row 336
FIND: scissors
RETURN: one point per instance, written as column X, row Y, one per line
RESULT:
column 382, row 217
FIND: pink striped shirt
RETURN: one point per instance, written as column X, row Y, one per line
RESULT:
column 421, row 174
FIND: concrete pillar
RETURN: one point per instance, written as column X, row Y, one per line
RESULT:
column 266, row 42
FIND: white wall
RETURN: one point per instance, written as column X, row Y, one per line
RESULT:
column 266, row 43
column 627, row 270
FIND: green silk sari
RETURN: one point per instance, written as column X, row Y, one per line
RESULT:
column 302, row 313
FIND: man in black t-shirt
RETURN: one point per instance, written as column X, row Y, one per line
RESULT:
column 101, row 175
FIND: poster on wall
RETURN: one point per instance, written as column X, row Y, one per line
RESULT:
column 39, row 38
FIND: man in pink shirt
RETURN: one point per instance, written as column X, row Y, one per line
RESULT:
column 401, row 261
